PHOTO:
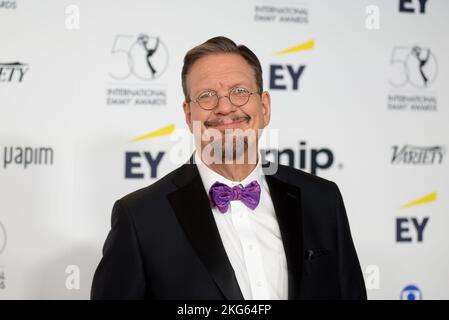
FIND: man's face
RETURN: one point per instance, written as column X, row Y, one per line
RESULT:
column 220, row 73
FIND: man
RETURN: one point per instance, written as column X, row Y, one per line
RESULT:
column 220, row 226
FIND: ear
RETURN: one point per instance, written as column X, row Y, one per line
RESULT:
column 188, row 115
column 265, row 99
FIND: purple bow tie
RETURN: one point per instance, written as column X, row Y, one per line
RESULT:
column 221, row 194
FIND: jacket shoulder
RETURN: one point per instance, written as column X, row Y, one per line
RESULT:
column 304, row 180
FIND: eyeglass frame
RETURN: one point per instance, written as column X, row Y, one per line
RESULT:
column 228, row 96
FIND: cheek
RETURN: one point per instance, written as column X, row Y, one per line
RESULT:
column 198, row 115
column 258, row 117
column 194, row 114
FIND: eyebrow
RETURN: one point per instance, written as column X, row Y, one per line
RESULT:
column 204, row 89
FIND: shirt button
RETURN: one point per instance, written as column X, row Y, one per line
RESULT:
column 259, row 284
column 250, row 247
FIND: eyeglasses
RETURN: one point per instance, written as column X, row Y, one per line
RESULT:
column 238, row 96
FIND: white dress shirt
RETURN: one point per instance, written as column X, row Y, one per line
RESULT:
column 251, row 238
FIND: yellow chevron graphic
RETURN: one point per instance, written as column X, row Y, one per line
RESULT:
column 156, row 133
column 303, row 46
column 428, row 198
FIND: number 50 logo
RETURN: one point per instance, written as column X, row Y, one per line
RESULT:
column 416, row 66
column 142, row 56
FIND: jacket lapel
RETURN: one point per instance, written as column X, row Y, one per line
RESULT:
column 287, row 205
column 191, row 205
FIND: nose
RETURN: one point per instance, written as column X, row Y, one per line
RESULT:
column 224, row 106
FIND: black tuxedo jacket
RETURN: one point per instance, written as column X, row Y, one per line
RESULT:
column 164, row 243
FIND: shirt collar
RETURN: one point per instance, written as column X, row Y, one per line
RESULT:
column 209, row 176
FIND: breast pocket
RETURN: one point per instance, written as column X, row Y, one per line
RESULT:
column 320, row 275
column 318, row 261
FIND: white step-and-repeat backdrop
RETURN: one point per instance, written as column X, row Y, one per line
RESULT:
column 91, row 109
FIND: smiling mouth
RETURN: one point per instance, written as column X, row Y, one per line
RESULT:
column 226, row 123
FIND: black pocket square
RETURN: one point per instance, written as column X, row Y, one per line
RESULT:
column 315, row 253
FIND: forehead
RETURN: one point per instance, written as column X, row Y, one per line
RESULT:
column 220, row 70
